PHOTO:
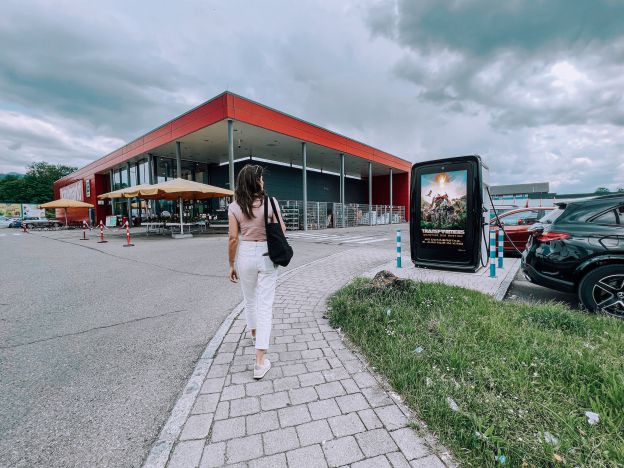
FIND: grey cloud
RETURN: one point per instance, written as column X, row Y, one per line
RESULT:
column 25, row 139
column 100, row 74
column 530, row 63
column 401, row 76
column 482, row 27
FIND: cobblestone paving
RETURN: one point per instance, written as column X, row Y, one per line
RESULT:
column 319, row 405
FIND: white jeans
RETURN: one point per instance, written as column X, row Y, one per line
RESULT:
column 258, row 278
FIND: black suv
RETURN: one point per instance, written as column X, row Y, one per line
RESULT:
column 579, row 247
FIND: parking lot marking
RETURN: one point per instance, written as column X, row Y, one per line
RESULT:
column 335, row 238
column 372, row 240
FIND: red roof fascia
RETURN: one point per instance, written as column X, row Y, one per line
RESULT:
column 228, row 105
column 202, row 116
column 247, row 111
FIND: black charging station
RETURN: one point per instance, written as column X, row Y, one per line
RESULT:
column 449, row 214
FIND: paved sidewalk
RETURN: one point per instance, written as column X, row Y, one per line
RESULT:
column 318, row 406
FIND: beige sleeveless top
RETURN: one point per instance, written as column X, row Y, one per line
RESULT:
column 252, row 229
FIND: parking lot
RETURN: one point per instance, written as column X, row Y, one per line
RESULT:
column 98, row 340
column 524, row 290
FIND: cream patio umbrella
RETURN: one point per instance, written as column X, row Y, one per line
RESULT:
column 128, row 192
column 64, row 203
column 182, row 189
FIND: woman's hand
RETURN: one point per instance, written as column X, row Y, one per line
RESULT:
column 233, row 275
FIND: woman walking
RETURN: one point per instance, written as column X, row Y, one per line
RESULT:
column 255, row 270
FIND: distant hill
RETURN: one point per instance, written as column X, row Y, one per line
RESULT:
column 2, row 176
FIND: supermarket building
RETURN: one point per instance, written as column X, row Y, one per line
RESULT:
column 331, row 180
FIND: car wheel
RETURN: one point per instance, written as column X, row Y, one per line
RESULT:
column 602, row 290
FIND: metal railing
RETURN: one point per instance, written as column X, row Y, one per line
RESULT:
column 322, row 215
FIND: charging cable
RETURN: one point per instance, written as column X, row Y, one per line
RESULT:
column 498, row 223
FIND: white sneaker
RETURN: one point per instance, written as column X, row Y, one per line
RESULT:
column 260, row 371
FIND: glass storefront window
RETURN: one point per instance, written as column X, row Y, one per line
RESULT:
column 123, row 172
column 186, row 173
column 143, row 172
column 116, row 180
column 121, row 207
column 133, row 175
column 164, row 169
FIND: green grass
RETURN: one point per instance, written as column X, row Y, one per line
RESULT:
column 516, row 371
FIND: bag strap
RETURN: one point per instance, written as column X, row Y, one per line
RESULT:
column 266, row 210
column 275, row 212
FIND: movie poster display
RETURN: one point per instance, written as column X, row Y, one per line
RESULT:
column 447, row 216
column 443, row 209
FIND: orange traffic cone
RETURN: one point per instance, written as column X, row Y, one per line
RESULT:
column 102, row 241
column 128, row 240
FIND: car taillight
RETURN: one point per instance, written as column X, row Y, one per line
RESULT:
column 551, row 236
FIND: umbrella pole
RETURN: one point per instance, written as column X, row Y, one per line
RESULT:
column 181, row 220
column 65, row 218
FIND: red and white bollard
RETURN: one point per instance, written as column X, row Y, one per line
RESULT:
column 128, row 240
column 24, row 227
column 84, row 230
column 101, row 241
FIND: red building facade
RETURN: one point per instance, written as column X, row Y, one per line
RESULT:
column 228, row 128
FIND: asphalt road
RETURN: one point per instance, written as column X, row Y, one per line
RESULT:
column 521, row 289
column 97, row 340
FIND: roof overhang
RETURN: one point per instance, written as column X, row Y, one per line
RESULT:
column 260, row 131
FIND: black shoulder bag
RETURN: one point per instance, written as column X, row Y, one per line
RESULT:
column 279, row 250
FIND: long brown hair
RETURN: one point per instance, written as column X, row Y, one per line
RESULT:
column 248, row 188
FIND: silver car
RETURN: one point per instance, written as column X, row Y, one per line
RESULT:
column 4, row 222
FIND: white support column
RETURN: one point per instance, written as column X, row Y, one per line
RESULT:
column 342, row 189
column 128, row 202
column 230, row 137
column 178, row 160
column 304, row 158
column 112, row 187
column 179, row 176
column 150, row 168
column 390, row 195
column 370, row 193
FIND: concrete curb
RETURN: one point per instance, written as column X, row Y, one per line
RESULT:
column 504, row 286
column 158, row 455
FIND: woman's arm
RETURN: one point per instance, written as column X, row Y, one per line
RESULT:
column 232, row 246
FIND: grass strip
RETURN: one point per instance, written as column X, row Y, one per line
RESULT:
column 492, row 378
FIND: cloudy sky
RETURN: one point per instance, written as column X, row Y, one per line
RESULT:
column 535, row 87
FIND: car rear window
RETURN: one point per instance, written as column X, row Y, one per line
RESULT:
column 551, row 216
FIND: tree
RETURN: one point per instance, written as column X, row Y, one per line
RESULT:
column 602, row 190
column 11, row 189
column 620, row 190
column 36, row 186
